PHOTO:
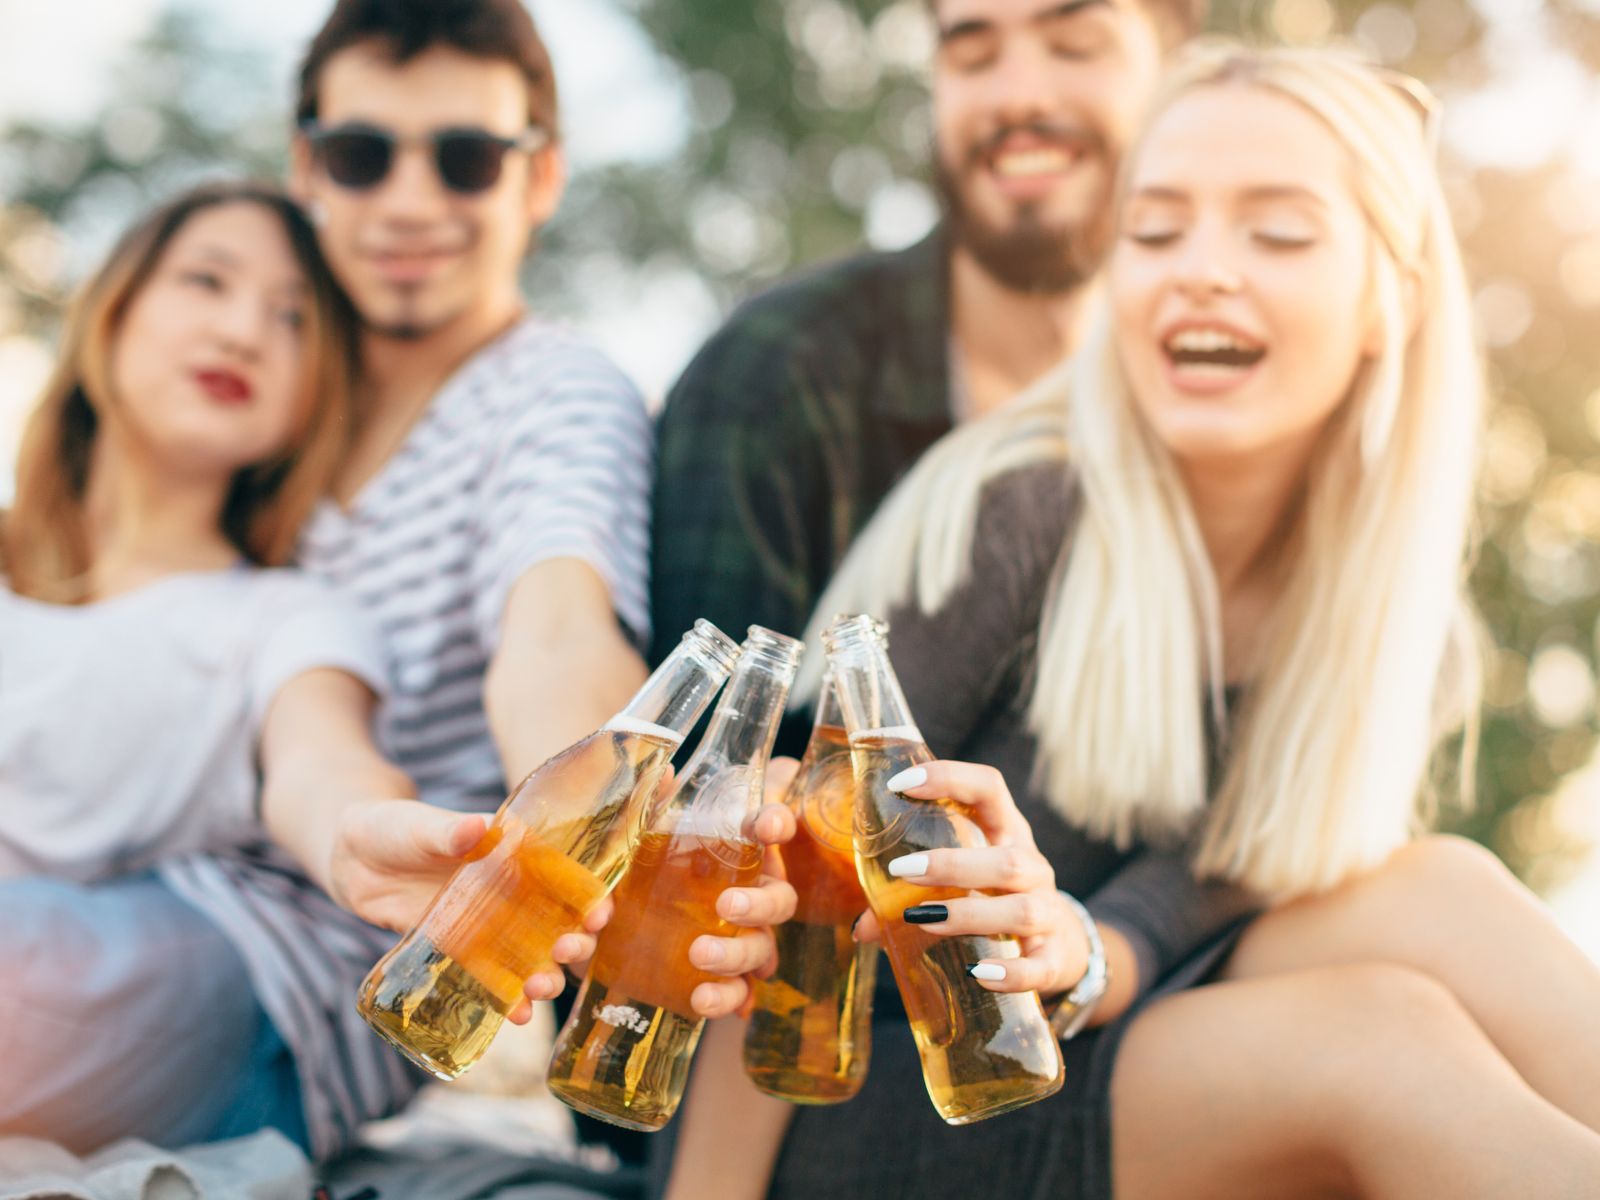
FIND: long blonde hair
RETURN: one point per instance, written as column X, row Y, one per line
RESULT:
column 1368, row 661
column 44, row 549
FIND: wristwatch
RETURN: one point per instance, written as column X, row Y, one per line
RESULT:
column 1072, row 1012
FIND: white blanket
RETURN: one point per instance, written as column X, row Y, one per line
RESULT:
column 264, row 1166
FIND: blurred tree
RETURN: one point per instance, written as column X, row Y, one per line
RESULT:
column 810, row 135
column 185, row 107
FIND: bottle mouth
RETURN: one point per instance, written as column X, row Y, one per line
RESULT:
column 717, row 646
column 772, row 648
column 853, row 631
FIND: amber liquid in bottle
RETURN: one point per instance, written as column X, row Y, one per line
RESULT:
column 624, row 1056
column 983, row 1053
column 810, row 1033
column 558, row 844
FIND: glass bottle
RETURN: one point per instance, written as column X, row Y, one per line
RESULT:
column 623, row 1055
column 983, row 1052
column 556, row 847
column 810, row 1032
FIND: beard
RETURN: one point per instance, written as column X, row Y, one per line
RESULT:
column 401, row 331
column 1030, row 255
column 404, row 322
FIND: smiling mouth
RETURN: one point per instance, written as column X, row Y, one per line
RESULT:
column 412, row 267
column 1033, row 163
column 1212, row 350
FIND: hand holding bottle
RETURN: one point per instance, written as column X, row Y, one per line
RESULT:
column 391, row 857
column 752, row 952
column 1018, row 881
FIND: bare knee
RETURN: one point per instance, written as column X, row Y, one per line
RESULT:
column 1446, row 864
column 1284, row 1077
column 1373, row 1001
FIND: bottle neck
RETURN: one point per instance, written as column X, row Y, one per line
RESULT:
column 678, row 691
column 868, row 691
column 829, row 714
column 745, row 722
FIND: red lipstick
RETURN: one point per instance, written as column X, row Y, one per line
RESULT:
column 226, row 387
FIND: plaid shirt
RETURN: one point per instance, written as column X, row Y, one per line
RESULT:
column 787, row 430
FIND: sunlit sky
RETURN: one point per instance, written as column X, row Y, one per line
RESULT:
column 622, row 102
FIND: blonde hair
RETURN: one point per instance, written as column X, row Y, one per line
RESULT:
column 44, row 549
column 1368, row 660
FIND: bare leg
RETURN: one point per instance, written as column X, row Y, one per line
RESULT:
column 1449, row 909
column 1343, row 1081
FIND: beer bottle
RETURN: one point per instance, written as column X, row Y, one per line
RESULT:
column 982, row 1052
column 810, row 1033
column 624, row 1053
column 556, row 847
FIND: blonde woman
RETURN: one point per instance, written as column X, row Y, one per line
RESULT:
column 1198, row 601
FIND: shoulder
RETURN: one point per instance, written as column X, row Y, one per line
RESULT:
column 279, row 595
column 1040, row 494
column 832, row 317
column 1024, row 523
column 546, row 369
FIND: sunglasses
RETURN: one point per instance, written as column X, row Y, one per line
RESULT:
column 468, row 161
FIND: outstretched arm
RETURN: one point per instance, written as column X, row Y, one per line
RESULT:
column 331, row 799
column 562, row 668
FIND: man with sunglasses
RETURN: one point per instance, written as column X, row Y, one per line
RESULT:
column 491, row 514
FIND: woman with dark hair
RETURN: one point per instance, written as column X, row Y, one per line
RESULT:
column 166, row 684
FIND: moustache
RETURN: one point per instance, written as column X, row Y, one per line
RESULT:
column 1074, row 136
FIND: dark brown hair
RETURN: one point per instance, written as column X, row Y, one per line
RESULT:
column 44, row 547
column 1178, row 20
column 500, row 30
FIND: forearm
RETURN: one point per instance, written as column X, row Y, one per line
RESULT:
column 1124, row 985
column 562, row 668
column 1153, row 914
column 303, row 797
column 544, row 694
column 730, row 1132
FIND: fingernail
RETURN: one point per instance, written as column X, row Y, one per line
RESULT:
column 925, row 914
column 909, row 778
column 909, row 866
column 988, row 972
column 712, row 954
column 736, row 904
column 854, row 925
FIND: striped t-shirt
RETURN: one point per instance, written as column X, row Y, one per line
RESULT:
column 538, row 448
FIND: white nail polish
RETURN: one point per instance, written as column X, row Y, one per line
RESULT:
column 909, row 866
column 910, row 778
column 988, row 972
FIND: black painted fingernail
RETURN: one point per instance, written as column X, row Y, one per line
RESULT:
column 925, row 914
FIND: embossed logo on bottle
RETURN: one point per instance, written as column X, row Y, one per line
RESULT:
column 622, row 1016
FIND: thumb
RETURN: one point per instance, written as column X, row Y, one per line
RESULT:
column 408, row 834
column 461, row 834
column 866, row 928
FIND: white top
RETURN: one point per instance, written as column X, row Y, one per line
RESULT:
column 128, row 728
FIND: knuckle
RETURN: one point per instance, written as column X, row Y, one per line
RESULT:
column 1030, row 913
column 1016, row 867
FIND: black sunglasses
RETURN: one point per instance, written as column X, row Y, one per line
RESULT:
column 468, row 160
